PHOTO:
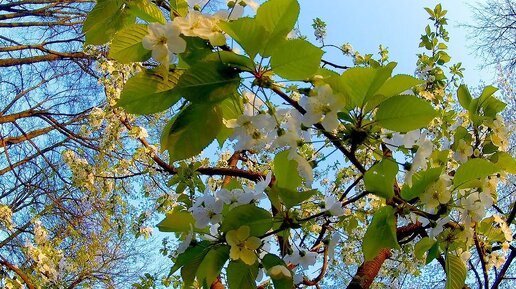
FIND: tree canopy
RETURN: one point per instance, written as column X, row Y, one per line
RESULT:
column 265, row 164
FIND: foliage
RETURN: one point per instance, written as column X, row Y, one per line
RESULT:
column 418, row 165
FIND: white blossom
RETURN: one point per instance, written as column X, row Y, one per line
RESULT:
column 333, row 206
column 303, row 258
column 206, row 210
column 464, row 150
column 164, row 41
column 322, row 107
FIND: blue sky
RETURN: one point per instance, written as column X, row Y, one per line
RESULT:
column 396, row 24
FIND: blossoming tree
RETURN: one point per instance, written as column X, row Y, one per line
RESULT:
column 330, row 165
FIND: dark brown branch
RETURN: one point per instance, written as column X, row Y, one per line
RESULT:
column 504, row 269
column 42, row 58
column 18, row 272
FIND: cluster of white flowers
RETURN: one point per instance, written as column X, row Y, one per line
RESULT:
column 463, row 152
column 507, row 232
column 437, row 193
column 138, row 132
column 6, row 216
column 395, row 140
column 322, row 107
column 207, row 209
column 257, row 131
column 165, row 41
column 423, row 153
column 40, row 233
column 499, row 133
column 83, row 176
column 474, row 205
column 44, row 264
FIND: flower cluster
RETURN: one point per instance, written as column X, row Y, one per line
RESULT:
column 6, row 216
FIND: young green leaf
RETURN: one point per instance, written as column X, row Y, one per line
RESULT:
column 208, row 81
column 391, row 87
column 456, row 272
column 423, row 246
column 404, row 113
column 148, row 92
column 278, row 17
column 280, row 282
column 146, row 10
column 296, row 59
column 293, row 198
column 127, row 45
column 192, row 130
column 248, row 33
column 505, row 162
column 241, row 275
column 178, row 7
column 361, row 83
column 212, row 264
column 473, row 169
column 380, row 178
column 380, row 234
column 286, row 172
column 104, row 20
column 420, row 182
column 258, row 219
column 231, row 108
column 464, row 96
column 192, row 254
column 177, row 221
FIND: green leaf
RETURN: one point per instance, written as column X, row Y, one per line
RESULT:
column 127, row 45
column 493, row 233
column 191, row 254
column 296, row 59
column 232, row 108
column 104, row 20
column 208, row 81
column 148, row 92
column 473, row 169
column 192, row 130
column 360, row 84
column 381, row 233
column 278, row 17
column 420, row 182
column 197, row 49
column 464, row 96
column 433, row 253
column 423, row 246
column 177, row 221
column 179, row 6
column 391, row 87
column 455, row 272
column 380, row 178
column 258, row 219
column 241, row 275
column 147, row 11
column 212, row 264
column 269, row 261
column 286, row 172
column 404, row 113
column 505, row 162
column 247, row 32
column 293, row 198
